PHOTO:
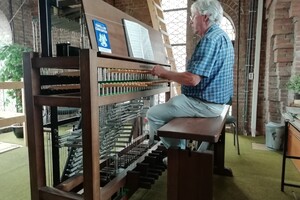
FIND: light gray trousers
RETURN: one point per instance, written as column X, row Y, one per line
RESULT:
column 179, row 106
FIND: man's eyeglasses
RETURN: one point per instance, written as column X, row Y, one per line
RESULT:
column 192, row 17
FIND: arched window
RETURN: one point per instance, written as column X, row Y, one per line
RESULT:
column 5, row 30
column 5, row 39
column 227, row 26
column 175, row 16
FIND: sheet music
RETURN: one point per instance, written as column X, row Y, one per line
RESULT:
column 146, row 43
column 138, row 40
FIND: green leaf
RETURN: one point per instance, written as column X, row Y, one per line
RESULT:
column 294, row 84
column 12, row 67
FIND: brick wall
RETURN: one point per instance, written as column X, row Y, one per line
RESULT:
column 280, row 60
column 135, row 8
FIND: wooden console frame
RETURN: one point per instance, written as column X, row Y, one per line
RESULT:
column 86, row 63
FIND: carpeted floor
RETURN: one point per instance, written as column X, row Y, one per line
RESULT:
column 257, row 174
column 14, row 171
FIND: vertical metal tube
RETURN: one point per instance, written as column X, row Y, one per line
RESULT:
column 256, row 67
column 45, row 25
column 249, row 61
column 55, row 148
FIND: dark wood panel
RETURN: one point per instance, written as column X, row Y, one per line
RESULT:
column 191, row 174
column 71, row 62
column 47, row 193
column 71, row 183
column 130, row 59
column 55, row 100
column 34, row 127
column 90, row 124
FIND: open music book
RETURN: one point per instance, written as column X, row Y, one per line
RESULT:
column 138, row 40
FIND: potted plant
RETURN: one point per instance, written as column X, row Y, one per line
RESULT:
column 294, row 85
column 12, row 70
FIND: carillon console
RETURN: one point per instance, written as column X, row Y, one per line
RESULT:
column 106, row 155
column 113, row 95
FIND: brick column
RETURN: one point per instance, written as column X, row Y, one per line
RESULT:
column 279, row 57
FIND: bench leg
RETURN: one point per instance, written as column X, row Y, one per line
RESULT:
column 219, row 157
column 190, row 175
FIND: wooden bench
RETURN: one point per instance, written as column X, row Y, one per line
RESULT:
column 190, row 173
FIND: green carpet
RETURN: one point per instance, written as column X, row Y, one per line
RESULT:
column 257, row 174
column 14, row 171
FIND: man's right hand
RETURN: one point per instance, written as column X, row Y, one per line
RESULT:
column 159, row 71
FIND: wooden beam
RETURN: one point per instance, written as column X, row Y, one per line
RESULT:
column 7, row 119
column 11, row 85
column 48, row 193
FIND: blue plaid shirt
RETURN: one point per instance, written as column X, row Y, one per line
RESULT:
column 213, row 60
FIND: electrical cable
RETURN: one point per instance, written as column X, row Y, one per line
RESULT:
column 17, row 11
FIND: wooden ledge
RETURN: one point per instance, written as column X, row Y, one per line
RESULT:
column 9, row 118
